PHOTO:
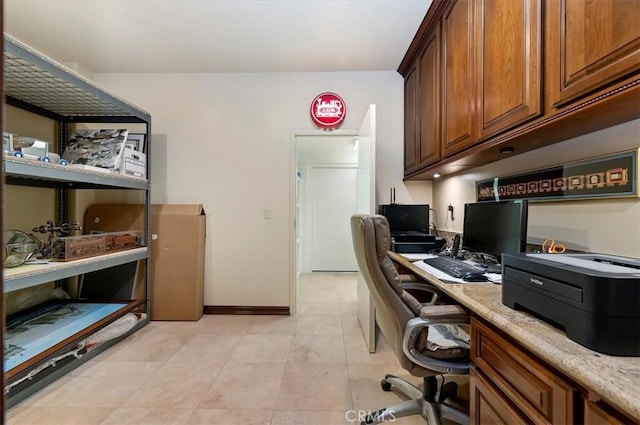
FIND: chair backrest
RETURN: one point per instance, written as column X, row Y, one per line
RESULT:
column 394, row 306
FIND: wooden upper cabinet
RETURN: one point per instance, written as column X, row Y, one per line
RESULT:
column 429, row 112
column 509, row 63
column 458, row 80
column 410, row 121
column 592, row 44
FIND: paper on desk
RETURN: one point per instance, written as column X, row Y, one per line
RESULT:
column 417, row 256
column 493, row 277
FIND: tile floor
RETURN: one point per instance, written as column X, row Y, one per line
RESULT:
column 309, row 369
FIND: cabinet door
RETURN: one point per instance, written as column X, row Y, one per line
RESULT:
column 595, row 415
column 488, row 406
column 509, row 63
column 458, row 106
column 592, row 44
column 429, row 112
column 410, row 121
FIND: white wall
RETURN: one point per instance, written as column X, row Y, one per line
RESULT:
column 223, row 140
column 601, row 225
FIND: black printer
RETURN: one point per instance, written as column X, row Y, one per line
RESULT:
column 409, row 227
column 594, row 297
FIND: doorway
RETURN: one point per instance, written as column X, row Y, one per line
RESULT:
column 324, row 196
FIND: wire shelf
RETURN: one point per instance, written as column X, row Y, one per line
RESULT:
column 37, row 80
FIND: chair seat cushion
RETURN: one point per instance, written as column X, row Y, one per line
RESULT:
column 445, row 341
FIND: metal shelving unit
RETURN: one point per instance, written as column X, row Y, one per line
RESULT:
column 29, row 275
column 38, row 84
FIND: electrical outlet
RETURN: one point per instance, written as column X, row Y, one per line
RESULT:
column 450, row 210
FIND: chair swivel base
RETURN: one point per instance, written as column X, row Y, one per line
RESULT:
column 421, row 402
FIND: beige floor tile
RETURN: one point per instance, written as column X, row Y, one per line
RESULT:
column 263, row 349
column 160, row 373
column 245, row 386
column 156, row 346
column 366, row 391
column 176, row 385
column 36, row 398
column 357, row 352
column 319, row 308
column 144, row 416
column 102, row 391
column 317, row 349
column 308, row 386
column 320, row 295
column 230, row 417
column 274, row 325
column 58, row 415
column 312, row 417
column 225, row 324
column 207, row 348
column 351, row 326
column 348, row 308
column 319, row 325
column 99, row 368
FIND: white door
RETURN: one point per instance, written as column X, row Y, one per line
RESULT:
column 333, row 203
column 367, row 205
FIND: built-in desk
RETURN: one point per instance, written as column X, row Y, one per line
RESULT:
column 601, row 381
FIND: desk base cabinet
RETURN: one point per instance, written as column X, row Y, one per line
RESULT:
column 504, row 375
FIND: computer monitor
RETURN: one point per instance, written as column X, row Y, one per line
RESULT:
column 495, row 227
column 406, row 218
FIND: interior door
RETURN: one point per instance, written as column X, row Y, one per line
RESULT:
column 333, row 204
column 367, row 205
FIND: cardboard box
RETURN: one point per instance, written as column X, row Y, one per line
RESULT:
column 133, row 163
column 177, row 253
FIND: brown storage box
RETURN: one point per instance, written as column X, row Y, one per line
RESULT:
column 177, row 253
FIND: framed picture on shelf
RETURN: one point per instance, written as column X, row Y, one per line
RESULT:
column 136, row 141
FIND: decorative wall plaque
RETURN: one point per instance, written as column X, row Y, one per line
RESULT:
column 607, row 176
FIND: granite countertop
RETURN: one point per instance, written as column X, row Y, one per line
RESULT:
column 615, row 379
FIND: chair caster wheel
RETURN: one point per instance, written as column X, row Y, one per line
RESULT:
column 386, row 385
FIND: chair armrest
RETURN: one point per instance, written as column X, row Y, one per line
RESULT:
column 433, row 315
column 408, row 278
column 444, row 314
column 424, row 287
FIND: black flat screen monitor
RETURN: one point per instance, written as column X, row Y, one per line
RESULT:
column 406, row 218
column 495, row 227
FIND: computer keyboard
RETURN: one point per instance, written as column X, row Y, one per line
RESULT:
column 452, row 266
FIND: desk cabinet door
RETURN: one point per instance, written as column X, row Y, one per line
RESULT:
column 488, row 406
column 536, row 390
column 595, row 415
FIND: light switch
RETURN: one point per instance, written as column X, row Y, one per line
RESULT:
column 267, row 213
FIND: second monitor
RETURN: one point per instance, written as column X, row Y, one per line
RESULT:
column 493, row 228
column 406, row 218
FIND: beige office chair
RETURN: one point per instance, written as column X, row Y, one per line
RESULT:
column 406, row 325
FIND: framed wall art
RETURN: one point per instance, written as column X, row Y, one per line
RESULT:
column 610, row 176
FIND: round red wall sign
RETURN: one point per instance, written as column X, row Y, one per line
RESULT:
column 328, row 110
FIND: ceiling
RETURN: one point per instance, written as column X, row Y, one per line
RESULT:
column 188, row 36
